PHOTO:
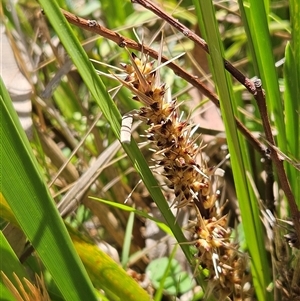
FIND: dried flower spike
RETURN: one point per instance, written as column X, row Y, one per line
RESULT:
column 172, row 137
column 178, row 153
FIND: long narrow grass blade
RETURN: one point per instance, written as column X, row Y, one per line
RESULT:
column 160, row 224
column 159, row 293
column 24, row 190
column 292, row 96
column 239, row 161
column 98, row 267
column 9, row 264
column 127, row 239
column 256, row 26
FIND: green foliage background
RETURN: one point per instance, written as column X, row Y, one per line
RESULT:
column 265, row 32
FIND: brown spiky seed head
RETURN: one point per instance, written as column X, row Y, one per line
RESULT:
column 178, row 154
column 169, row 134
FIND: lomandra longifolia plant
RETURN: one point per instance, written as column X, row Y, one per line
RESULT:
column 179, row 155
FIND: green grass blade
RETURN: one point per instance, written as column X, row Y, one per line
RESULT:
column 98, row 265
column 9, row 264
column 160, row 224
column 5, row 293
column 256, row 26
column 159, row 293
column 292, row 96
column 24, row 190
column 127, row 240
column 239, row 162
column 98, row 90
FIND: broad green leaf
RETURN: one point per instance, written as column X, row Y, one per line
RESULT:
column 175, row 280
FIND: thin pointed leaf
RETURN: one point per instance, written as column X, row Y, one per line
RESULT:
column 27, row 195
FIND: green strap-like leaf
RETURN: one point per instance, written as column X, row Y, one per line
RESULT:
column 27, row 195
column 238, row 154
